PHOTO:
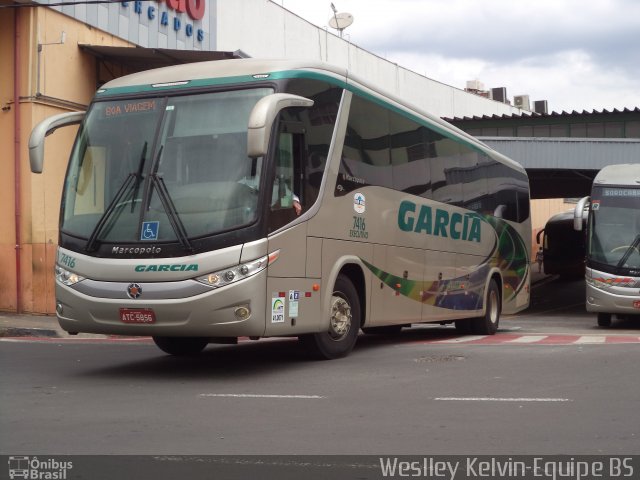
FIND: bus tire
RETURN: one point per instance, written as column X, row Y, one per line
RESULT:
column 181, row 346
column 604, row 319
column 344, row 324
column 488, row 323
column 464, row 327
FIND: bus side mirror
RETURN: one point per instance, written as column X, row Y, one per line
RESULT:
column 44, row 128
column 499, row 211
column 540, row 233
column 262, row 117
column 578, row 213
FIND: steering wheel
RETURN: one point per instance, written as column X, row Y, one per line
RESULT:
column 252, row 189
column 624, row 248
column 127, row 202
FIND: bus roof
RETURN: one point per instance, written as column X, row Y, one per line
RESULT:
column 622, row 174
column 219, row 69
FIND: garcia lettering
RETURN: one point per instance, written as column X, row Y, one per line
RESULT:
column 438, row 223
column 167, row 268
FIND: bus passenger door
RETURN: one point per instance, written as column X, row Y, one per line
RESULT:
column 395, row 293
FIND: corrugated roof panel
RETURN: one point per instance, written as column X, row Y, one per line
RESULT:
column 566, row 153
column 526, row 114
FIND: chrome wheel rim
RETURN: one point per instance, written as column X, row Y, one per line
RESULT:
column 340, row 323
column 493, row 307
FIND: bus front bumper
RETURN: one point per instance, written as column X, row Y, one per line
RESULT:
column 599, row 300
column 231, row 311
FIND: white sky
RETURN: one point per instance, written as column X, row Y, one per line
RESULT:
column 577, row 54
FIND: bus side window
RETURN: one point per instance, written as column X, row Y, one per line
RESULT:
column 288, row 177
column 282, row 196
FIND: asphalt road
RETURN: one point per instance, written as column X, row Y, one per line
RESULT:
column 405, row 394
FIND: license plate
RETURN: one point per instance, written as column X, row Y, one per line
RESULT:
column 137, row 315
column 636, row 304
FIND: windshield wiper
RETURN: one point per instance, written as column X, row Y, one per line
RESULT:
column 172, row 213
column 143, row 157
column 93, row 238
column 132, row 177
column 629, row 251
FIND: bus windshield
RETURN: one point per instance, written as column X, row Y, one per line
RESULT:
column 614, row 227
column 163, row 169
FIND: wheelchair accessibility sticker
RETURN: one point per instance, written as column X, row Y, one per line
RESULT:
column 149, row 231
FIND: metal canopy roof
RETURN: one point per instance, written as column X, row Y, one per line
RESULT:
column 525, row 115
column 565, row 167
column 139, row 59
column 566, row 153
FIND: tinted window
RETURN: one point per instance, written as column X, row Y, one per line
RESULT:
column 411, row 150
column 445, row 170
column 474, row 181
column 317, row 124
column 508, row 192
column 365, row 155
column 387, row 149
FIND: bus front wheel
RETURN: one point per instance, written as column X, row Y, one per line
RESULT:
column 604, row 319
column 488, row 323
column 181, row 345
column 344, row 324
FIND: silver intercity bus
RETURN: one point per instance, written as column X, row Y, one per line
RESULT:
column 613, row 242
column 252, row 198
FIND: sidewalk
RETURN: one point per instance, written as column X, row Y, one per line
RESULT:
column 28, row 325
column 31, row 325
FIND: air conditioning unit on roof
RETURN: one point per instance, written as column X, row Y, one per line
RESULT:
column 541, row 106
column 475, row 85
column 522, row 101
column 499, row 94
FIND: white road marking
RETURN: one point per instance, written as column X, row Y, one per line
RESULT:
column 591, row 339
column 498, row 399
column 468, row 338
column 258, row 395
column 528, row 339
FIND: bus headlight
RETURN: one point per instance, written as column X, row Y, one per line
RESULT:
column 596, row 282
column 66, row 277
column 234, row 274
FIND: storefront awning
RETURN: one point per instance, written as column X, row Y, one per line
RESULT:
column 137, row 59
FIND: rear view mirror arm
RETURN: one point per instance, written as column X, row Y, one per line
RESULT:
column 44, row 128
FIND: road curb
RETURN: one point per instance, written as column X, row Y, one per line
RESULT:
column 28, row 332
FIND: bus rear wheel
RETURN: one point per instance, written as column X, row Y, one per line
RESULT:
column 181, row 346
column 464, row 327
column 488, row 323
column 344, row 324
